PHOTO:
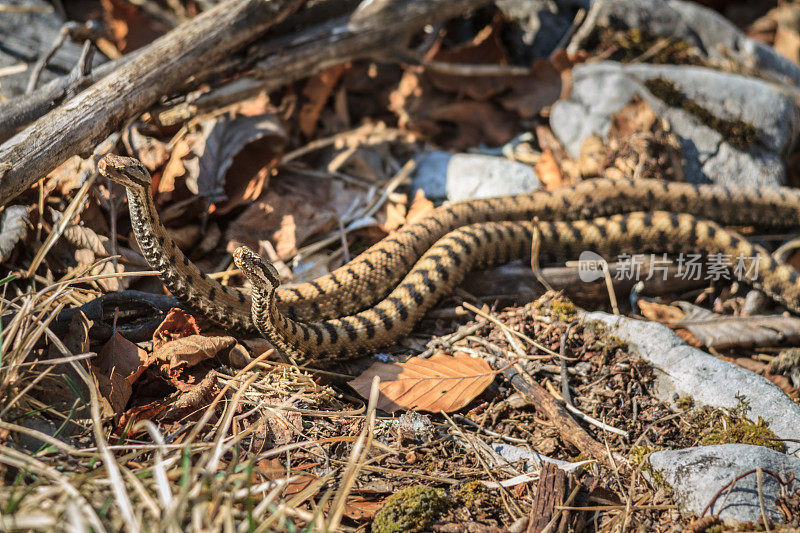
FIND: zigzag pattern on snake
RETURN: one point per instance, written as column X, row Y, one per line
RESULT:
column 445, row 264
column 368, row 278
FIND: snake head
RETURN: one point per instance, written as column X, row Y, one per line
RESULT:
column 261, row 273
column 126, row 171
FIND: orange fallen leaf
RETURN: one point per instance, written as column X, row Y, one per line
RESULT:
column 441, row 383
column 318, row 89
column 549, row 172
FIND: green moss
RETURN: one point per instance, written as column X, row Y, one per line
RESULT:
column 603, row 340
column 684, row 403
column 475, row 494
column 736, row 132
column 638, row 456
column 411, row 510
column 734, row 427
column 564, row 310
column 743, row 431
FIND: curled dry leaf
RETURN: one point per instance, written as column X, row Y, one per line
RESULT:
column 118, row 365
column 441, row 383
column 205, row 156
column 549, row 171
column 178, row 323
column 188, row 351
column 13, row 228
column 286, row 220
column 317, row 91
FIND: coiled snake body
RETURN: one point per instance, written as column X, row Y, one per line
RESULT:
column 345, row 312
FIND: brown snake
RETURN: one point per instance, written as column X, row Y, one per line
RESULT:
column 370, row 276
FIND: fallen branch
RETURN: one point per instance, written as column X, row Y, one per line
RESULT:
column 162, row 68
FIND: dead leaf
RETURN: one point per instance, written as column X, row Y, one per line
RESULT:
column 13, row 228
column 530, row 94
column 122, row 356
column 420, row 207
column 440, row 383
column 188, row 351
column 719, row 331
column 397, row 214
column 317, row 91
column 224, row 138
column 478, row 122
column 178, row 323
column 549, row 171
column 152, row 152
column 668, row 314
column 485, row 49
column 131, row 27
column 115, row 391
column 286, row 220
column 117, row 366
column 393, row 217
column 205, row 156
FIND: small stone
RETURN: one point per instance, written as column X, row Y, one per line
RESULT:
column 468, row 176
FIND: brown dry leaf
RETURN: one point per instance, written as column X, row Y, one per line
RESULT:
column 178, row 323
column 440, row 383
column 397, row 214
column 787, row 31
column 122, row 356
column 204, row 156
column 549, row 171
column 722, row 331
column 152, row 152
column 393, row 217
column 186, row 352
column 530, row 94
column 477, row 122
column 485, row 49
column 317, row 91
column 420, row 207
column 131, row 27
column 117, row 366
column 115, row 391
column 175, row 167
column 665, row 314
column 286, row 220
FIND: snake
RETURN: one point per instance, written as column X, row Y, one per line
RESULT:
column 367, row 280
column 475, row 246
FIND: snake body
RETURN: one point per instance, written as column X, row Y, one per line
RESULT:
column 365, row 282
column 445, row 264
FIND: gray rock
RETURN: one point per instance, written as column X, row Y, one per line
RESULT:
column 697, row 475
column 469, row 176
column 600, row 90
column 685, row 371
column 696, row 25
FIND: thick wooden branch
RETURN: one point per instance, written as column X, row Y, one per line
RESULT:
column 276, row 61
column 166, row 64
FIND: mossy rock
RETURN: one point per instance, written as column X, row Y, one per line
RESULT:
column 412, row 510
